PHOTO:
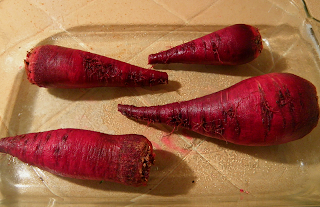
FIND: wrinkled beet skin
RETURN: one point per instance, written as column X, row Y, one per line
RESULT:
column 234, row 45
column 84, row 154
column 60, row 67
column 265, row 110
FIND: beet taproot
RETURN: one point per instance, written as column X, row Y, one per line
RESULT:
column 61, row 67
column 270, row 109
column 233, row 45
column 85, row 154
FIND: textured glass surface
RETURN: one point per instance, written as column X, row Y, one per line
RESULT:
column 190, row 169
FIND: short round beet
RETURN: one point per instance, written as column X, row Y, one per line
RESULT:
column 265, row 110
column 61, row 67
column 233, row 45
column 84, row 154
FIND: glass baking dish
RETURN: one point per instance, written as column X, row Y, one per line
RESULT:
column 190, row 169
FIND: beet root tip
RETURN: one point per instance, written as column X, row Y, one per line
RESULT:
column 124, row 109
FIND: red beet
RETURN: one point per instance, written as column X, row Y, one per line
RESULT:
column 233, row 45
column 60, row 67
column 265, row 110
column 84, row 154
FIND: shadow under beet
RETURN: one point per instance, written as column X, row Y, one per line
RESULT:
column 305, row 150
column 159, row 184
column 109, row 93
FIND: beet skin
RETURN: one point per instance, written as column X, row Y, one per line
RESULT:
column 233, row 45
column 60, row 67
column 265, row 110
column 85, row 154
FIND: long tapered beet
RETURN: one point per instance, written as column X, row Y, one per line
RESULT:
column 233, row 45
column 60, row 67
column 85, row 154
column 265, row 110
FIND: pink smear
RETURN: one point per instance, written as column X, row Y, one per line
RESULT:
column 168, row 142
column 156, row 145
column 243, row 191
